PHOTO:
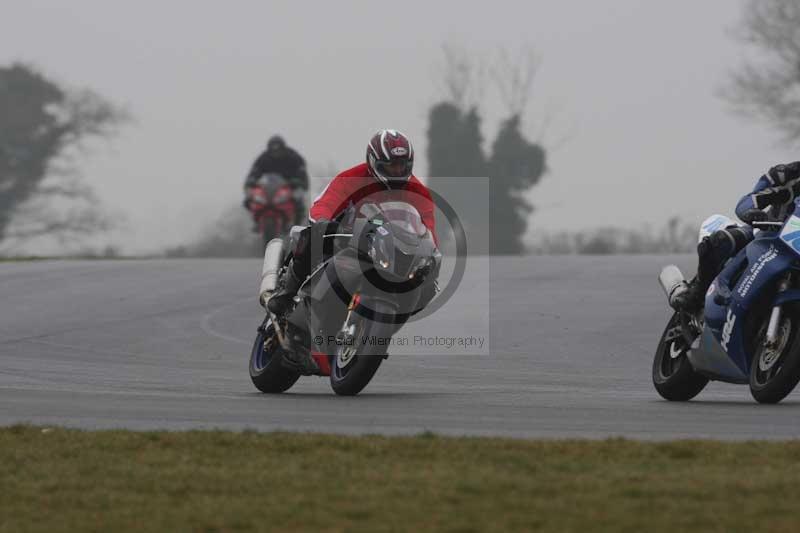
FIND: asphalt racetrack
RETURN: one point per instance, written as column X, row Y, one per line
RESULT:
column 164, row 344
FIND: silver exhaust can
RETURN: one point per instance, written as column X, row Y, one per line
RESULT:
column 273, row 259
column 670, row 279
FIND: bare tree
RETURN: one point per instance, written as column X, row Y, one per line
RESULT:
column 768, row 88
column 463, row 75
column 513, row 75
column 43, row 130
column 455, row 146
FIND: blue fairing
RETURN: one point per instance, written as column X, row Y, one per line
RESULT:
column 763, row 260
column 792, row 295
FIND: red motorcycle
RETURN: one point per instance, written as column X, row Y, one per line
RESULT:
column 271, row 201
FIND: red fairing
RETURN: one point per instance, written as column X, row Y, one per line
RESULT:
column 322, row 362
column 355, row 184
column 276, row 205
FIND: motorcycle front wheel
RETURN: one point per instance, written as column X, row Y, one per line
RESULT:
column 673, row 375
column 361, row 350
column 775, row 370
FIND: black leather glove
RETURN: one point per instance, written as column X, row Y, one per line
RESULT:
column 783, row 174
column 753, row 215
column 323, row 227
column 328, row 227
column 794, row 186
column 772, row 196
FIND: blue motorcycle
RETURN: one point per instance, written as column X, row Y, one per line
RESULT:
column 748, row 331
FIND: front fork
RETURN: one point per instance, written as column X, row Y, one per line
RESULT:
column 775, row 317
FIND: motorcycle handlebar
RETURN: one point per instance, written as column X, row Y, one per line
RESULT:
column 763, row 224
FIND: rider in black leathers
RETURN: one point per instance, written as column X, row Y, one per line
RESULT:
column 779, row 186
column 278, row 158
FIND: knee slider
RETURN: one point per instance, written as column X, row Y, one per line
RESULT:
column 705, row 246
column 741, row 236
column 722, row 238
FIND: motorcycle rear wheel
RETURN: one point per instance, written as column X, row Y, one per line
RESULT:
column 673, row 375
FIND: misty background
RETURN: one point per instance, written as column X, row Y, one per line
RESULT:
column 626, row 101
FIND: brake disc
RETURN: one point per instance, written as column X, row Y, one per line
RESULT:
column 770, row 354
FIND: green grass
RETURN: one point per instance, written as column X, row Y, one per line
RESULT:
column 67, row 480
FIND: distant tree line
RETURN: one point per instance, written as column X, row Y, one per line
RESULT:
column 672, row 238
column 231, row 235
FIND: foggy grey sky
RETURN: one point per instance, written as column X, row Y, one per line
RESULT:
column 633, row 83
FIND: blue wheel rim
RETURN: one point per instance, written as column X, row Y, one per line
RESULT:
column 259, row 357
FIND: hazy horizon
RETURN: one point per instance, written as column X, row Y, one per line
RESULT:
column 631, row 85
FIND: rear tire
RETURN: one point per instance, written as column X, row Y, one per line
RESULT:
column 351, row 372
column 775, row 373
column 266, row 370
column 673, row 375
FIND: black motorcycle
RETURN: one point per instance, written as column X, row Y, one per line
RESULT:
column 376, row 273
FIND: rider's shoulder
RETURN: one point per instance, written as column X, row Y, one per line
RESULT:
column 783, row 173
column 414, row 183
column 359, row 171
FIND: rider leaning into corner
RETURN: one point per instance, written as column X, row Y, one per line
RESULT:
column 779, row 186
column 279, row 158
column 385, row 176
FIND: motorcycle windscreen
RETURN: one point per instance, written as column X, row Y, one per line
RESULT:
column 790, row 233
column 404, row 216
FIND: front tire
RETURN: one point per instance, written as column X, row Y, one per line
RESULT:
column 673, row 375
column 354, row 364
column 266, row 371
column 775, row 371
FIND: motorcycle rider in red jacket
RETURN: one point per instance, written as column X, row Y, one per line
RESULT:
column 385, row 176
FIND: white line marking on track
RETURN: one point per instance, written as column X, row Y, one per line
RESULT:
column 205, row 323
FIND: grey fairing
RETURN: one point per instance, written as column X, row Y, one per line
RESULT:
column 711, row 360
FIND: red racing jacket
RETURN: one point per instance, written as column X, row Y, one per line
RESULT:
column 354, row 185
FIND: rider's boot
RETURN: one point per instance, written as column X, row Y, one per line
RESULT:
column 688, row 297
column 281, row 301
column 299, row 357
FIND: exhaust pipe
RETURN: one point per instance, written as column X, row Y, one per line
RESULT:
column 671, row 279
column 273, row 259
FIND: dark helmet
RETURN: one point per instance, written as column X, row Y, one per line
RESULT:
column 276, row 144
column 390, row 157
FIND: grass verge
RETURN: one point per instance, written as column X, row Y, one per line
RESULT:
column 68, row 480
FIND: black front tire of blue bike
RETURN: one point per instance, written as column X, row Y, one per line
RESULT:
column 779, row 385
column 674, row 378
